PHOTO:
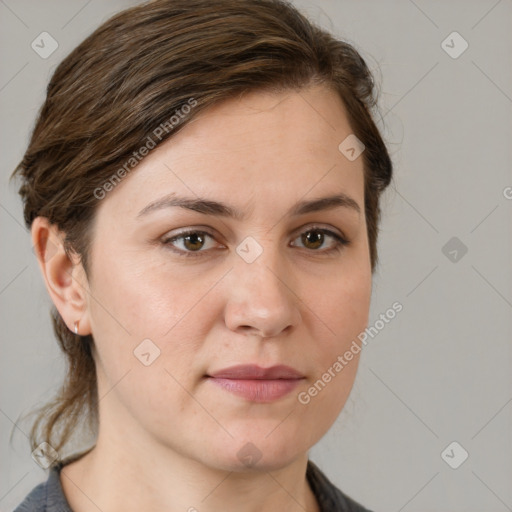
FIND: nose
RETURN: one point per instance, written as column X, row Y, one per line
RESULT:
column 261, row 298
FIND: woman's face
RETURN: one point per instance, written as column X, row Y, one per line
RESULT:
column 267, row 287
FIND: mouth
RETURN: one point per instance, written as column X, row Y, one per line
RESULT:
column 257, row 384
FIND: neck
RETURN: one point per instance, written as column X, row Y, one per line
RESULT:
column 121, row 475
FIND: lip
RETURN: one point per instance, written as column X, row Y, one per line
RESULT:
column 255, row 372
column 257, row 384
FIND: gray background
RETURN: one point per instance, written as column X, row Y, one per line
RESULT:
column 441, row 370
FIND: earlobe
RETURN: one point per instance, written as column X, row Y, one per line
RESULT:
column 64, row 278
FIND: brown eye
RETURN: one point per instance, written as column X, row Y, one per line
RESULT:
column 315, row 238
column 194, row 241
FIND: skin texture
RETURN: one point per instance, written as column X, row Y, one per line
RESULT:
column 168, row 437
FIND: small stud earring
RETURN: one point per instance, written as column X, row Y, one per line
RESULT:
column 76, row 327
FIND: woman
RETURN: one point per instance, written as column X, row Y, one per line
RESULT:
column 202, row 186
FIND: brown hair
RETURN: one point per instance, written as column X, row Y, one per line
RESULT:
column 129, row 77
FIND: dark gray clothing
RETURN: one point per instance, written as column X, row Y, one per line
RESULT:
column 49, row 497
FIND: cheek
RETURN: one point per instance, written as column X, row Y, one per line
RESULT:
column 135, row 303
column 341, row 314
column 129, row 308
column 141, row 297
column 341, row 299
column 342, row 306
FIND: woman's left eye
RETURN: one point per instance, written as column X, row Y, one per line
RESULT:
column 313, row 238
column 316, row 237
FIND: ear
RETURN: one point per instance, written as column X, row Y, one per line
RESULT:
column 65, row 278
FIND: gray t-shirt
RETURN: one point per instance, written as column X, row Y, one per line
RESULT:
column 49, row 497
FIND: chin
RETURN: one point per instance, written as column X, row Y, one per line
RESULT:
column 256, row 454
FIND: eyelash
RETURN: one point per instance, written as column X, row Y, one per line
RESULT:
column 339, row 245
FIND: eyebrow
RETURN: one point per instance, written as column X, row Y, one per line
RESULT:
column 209, row 207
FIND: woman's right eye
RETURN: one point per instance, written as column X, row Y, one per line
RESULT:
column 192, row 241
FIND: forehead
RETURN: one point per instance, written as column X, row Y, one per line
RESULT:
column 310, row 120
column 263, row 146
